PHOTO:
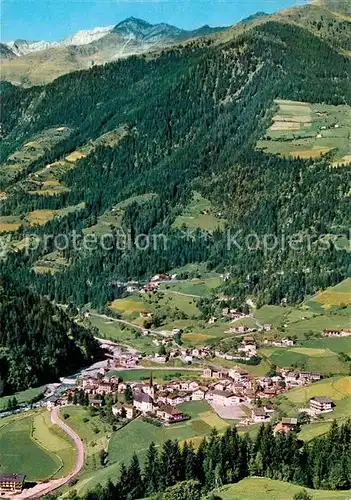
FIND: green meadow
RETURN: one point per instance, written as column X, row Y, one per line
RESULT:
column 30, row 444
column 270, row 489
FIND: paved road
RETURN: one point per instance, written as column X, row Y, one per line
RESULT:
column 43, row 489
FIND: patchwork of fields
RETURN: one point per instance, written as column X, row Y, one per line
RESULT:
column 307, row 130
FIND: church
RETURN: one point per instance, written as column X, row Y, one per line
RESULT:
column 145, row 401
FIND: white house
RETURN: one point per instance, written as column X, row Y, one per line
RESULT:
column 321, row 404
column 199, row 394
column 117, row 409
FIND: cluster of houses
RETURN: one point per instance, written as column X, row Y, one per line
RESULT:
column 220, row 387
column 335, row 332
column 286, row 342
column 245, row 329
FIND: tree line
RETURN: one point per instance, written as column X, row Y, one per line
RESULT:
column 323, row 463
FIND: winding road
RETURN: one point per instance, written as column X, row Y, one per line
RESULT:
column 42, row 489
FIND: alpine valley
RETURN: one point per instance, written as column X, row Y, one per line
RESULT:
column 178, row 202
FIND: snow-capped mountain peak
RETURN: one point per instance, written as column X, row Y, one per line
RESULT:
column 84, row 37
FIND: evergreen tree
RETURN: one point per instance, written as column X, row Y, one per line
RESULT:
column 151, row 471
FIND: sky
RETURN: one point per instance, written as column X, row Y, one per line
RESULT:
column 57, row 19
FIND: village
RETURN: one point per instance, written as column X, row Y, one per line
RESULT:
column 234, row 394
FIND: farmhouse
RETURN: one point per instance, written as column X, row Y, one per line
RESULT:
column 309, row 376
column 286, row 425
column 331, row 332
column 96, row 403
column 287, row 342
column 170, row 414
column 258, row 415
column 321, row 404
column 212, row 372
column 346, row 332
column 199, row 394
column 119, row 409
column 11, row 483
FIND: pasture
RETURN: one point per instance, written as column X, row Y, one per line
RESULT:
column 31, row 151
column 200, row 287
column 41, row 217
column 31, row 445
column 337, row 388
column 94, row 433
column 10, row 223
column 113, row 330
column 50, row 263
column 136, row 437
column 141, row 374
column 23, row 396
column 199, row 213
column 112, row 218
column 335, row 296
column 256, row 370
column 270, row 489
column 321, row 360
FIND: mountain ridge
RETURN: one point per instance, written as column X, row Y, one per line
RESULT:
column 26, row 62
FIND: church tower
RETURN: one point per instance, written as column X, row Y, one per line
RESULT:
column 151, row 388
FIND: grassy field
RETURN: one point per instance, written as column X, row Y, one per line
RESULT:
column 199, row 213
column 256, row 370
column 113, row 218
column 113, row 330
column 47, row 180
column 322, row 360
column 337, row 388
column 201, row 287
column 41, row 217
column 54, row 440
column 158, row 375
column 94, row 433
column 165, row 303
column 23, row 396
column 51, row 263
column 337, row 344
column 270, row 489
column 10, row 223
column 309, row 130
column 31, row 151
column 136, row 437
column 337, row 295
column 31, row 445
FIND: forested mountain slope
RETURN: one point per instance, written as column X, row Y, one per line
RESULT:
column 38, row 341
column 192, row 117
